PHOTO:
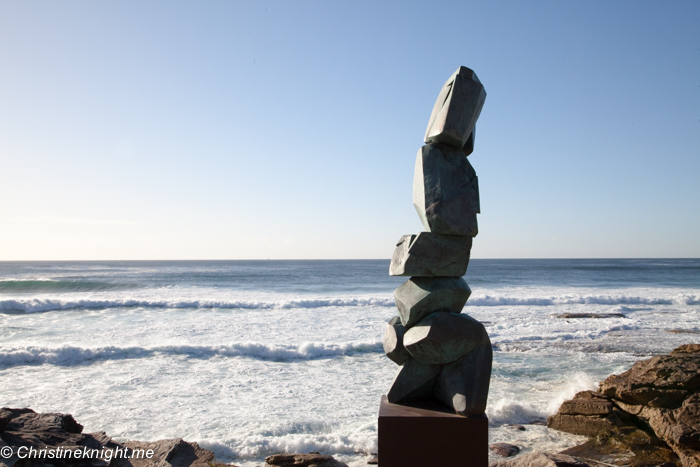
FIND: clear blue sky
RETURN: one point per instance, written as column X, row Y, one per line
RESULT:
column 289, row 129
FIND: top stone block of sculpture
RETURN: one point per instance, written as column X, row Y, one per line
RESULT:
column 456, row 111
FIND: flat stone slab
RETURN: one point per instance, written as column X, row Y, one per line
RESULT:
column 589, row 315
column 456, row 111
column 429, row 254
column 446, row 191
column 420, row 296
column 393, row 341
column 442, row 338
column 430, row 435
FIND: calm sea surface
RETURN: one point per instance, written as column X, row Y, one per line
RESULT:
column 251, row 358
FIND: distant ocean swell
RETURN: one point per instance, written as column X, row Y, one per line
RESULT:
column 488, row 300
column 35, row 305
column 39, row 286
column 72, row 356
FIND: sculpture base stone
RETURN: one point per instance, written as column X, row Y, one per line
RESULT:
column 430, row 435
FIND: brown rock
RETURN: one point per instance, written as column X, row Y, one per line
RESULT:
column 686, row 348
column 628, row 446
column 587, row 403
column 663, row 381
column 7, row 414
column 538, row 459
column 166, row 453
column 648, row 415
column 587, row 414
column 581, row 424
column 24, row 427
column 687, row 430
column 504, row 449
column 303, row 460
column 679, row 428
column 39, row 430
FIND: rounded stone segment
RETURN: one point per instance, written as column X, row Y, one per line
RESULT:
column 456, row 111
column 442, row 338
column 446, row 191
column 429, row 254
column 464, row 384
column 420, row 296
column 413, row 382
column 393, row 341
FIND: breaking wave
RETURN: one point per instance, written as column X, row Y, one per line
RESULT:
column 35, row 305
column 72, row 356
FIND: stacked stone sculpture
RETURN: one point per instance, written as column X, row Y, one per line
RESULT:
column 445, row 355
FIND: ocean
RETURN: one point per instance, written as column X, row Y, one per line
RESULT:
column 252, row 358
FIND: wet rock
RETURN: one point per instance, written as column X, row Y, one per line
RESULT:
column 167, row 452
column 24, row 427
column 587, row 403
column 420, row 296
column 517, row 427
column 429, row 254
column 303, row 460
column 664, row 381
column 686, row 349
column 504, row 449
column 587, row 414
column 590, row 315
column 37, row 430
column 626, row 446
column 441, row 338
column 538, row 459
column 650, row 413
column 393, row 341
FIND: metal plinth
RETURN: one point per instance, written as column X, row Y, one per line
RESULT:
column 422, row 436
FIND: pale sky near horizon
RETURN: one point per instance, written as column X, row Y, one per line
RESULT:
column 289, row 129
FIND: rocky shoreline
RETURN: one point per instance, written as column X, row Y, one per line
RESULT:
column 30, row 439
column 646, row 416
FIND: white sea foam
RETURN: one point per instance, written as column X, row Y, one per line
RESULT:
column 36, row 304
column 70, row 356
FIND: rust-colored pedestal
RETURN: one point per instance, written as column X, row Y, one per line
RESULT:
column 424, row 436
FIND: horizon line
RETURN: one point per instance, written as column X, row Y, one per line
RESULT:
column 336, row 259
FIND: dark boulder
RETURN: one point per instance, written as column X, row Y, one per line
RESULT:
column 504, row 449
column 538, row 459
column 303, row 460
column 60, row 433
